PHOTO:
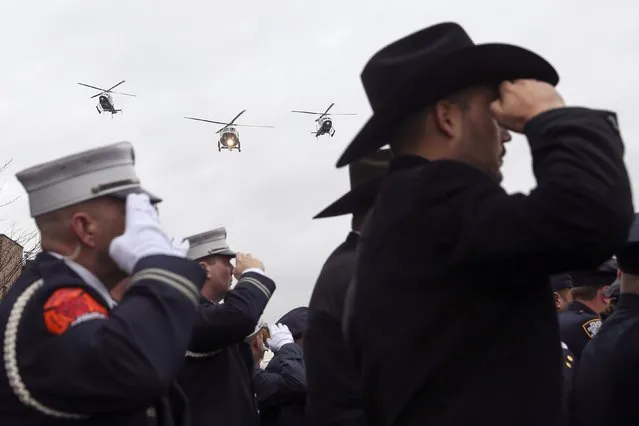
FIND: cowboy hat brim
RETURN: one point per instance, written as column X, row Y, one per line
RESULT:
column 473, row 65
column 361, row 197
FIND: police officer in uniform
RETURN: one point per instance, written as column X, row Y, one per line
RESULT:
column 582, row 320
column 217, row 376
column 561, row 285
column 71, row 355
column 605, row 386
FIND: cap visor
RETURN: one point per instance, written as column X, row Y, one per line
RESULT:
column 613, row 289
column 230, row 253
column 136, row 190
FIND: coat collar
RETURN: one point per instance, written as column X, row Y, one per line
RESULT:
column 88, row 277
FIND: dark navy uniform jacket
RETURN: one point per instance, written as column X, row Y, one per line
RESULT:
column 605, row 385
column 69, row 359
column 218, row 375
column 281, row 388
column 578, row 325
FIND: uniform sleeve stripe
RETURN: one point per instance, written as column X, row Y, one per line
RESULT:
column 190, row 354
column 178, row 282
column 172, row 275
column 10, row 354
column 257, row 284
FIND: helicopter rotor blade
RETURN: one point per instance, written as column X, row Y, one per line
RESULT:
column 325, row 113
column 250, row 125
column 120, row 93
column 92, row 87
column 207, row 121
column 348, row 113
column 307, row 112
column 114, row 86
column 236, row 117
column 329, row 107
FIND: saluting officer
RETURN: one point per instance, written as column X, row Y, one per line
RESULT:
column 217, row 377
column 581, row 321
column 71, row 356
column 605, row 386
column 561, row 285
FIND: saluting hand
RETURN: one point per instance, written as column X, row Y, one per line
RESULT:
column 143, row 235
column 521, row 100
column 244, row 261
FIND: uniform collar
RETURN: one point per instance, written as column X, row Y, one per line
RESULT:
column 577, row 306
column 88, row 277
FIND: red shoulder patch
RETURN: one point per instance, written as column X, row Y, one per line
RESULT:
column 69, row 306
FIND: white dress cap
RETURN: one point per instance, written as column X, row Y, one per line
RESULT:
column 209, row 243
column 108, row 170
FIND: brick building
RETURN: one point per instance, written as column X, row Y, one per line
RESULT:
column 11, row 259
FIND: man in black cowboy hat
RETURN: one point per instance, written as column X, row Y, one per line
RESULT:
column 452, row 320
column 333, row 385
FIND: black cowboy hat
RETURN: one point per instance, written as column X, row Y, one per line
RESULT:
column 428, row 65
column 366, row 176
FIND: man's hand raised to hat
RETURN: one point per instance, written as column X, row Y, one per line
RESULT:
column 143, row 235
column 521, row 100
column 243, row 262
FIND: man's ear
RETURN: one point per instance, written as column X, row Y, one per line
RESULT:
column 447, row 118
column 85, row 228
column 204, row 266
column 557, row 299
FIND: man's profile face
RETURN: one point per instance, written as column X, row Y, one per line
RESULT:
column 482, row 139
column 110, row 223
column 219, row 274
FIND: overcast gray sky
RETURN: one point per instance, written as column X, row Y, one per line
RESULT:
column 213, row 59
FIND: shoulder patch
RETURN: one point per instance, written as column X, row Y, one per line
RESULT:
column 591, row 327
column 67, row 307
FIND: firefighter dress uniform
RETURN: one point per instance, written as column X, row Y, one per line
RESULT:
column 70, row 355
column 217, row 377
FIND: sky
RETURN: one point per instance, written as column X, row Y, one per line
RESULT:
column 213, row 59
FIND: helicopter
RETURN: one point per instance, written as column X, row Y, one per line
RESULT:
column 324, row 121
column 105, row 100
column 229, row 136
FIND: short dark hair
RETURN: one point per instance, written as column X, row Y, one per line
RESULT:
column 413, row 127
column 585, row 292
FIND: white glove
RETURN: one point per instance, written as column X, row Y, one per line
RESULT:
column 142, row 236
column 180, row 246
column 280, row 336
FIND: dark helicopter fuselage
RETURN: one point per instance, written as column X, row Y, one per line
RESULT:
column 106, row 103
column 325, row 127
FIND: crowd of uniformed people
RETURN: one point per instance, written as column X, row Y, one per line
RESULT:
column 450, row 302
